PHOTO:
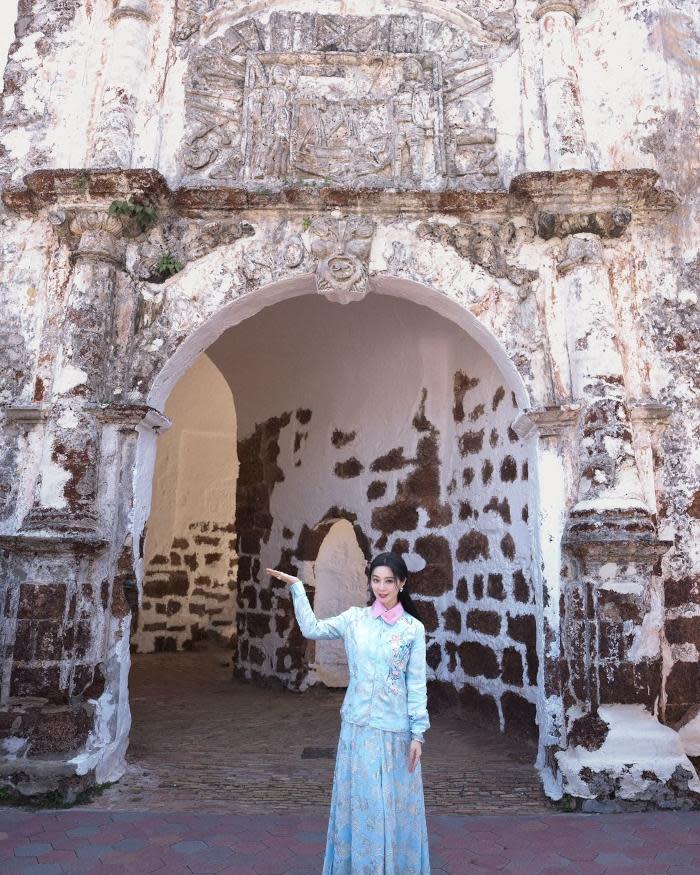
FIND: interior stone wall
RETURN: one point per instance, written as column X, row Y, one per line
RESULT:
column 395, row 420
column 189, row 553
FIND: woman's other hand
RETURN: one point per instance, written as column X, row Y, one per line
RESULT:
column 280, row 575
column 414, row 754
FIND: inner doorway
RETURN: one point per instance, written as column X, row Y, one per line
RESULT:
column 340, row 583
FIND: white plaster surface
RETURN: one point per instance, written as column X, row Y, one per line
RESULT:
column 196, row 464
column 8, row 17
column 636, row 69
column 690, row 736
column 636, row 743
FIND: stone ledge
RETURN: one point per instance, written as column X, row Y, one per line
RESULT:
column 50, row 543
column 569, row 191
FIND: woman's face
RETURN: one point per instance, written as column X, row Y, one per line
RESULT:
column 385, row 586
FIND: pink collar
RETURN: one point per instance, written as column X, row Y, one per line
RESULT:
column 390, row 616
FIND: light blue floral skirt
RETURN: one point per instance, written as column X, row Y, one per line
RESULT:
column 377, row 818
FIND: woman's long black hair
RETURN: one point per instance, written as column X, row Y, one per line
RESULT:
column 398, row 566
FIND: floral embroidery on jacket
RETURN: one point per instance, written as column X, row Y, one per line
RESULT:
column 400, row 650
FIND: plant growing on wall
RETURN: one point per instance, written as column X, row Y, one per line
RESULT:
column 168, row 265
column 82, row 180
column 143, row 213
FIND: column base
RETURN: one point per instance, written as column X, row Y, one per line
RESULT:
column 640, row 764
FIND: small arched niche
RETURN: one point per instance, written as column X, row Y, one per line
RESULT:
column 341, row 583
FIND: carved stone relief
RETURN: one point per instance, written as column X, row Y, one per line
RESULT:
column 386, row 101
column 343, row 257
column 489, row 245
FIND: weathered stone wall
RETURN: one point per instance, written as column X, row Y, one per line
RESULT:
column 509, row 160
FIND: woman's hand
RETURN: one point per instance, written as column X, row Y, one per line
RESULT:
column 414, row 754
column 280, row 575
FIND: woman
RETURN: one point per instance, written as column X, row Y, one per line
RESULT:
column 377, row 818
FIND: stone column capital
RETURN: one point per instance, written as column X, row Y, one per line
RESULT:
column 91, row 233
column 580, row 250
column 557, row 420
column 651, row 414
column 547, row 6
column 132, row 9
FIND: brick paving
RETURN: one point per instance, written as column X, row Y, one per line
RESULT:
column 176, row 843
column 228, row 778
column 203, row 741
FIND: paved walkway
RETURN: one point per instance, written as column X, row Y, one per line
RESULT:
column 117, row 843
column 202, row 741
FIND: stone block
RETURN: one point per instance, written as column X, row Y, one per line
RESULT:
column 49, row 640
column 433, row 655
column 428, row 614
column 681, row 630
column 452, row 620
column 478, row 704
column 473, row 545
column 257, row 625
column 41, row 601
column 488, row 622
column 437, row 576
column 36, row 680
column 512, row 663
column 478, row 659
column 23, row 649
column 519, row 715
column 442, row 695
column 60, row 730
column 495, row 587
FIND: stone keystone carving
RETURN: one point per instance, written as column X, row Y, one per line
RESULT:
column 343, row 257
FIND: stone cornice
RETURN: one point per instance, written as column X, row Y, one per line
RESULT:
column 84, row 189
column 582, row 191
column 131, row 416
column 26, row 414
column 59, row 543
column 565, row 193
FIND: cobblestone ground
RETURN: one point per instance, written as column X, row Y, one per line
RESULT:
column 132, row 843
column 201, row 741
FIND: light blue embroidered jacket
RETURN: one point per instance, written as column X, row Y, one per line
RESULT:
column 387, row 688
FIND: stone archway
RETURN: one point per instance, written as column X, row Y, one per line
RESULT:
column 466, row 520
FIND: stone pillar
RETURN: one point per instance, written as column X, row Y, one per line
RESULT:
column 613, row 600
column 554, row 428
column 114, row 131
column 610, row 528
column 65, row 497
column 560, row 89
column 649, row 419
column 66, row 601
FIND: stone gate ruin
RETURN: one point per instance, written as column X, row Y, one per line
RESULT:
column 441, row 259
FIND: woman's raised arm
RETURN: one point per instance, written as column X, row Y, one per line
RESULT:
column 311, row 627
